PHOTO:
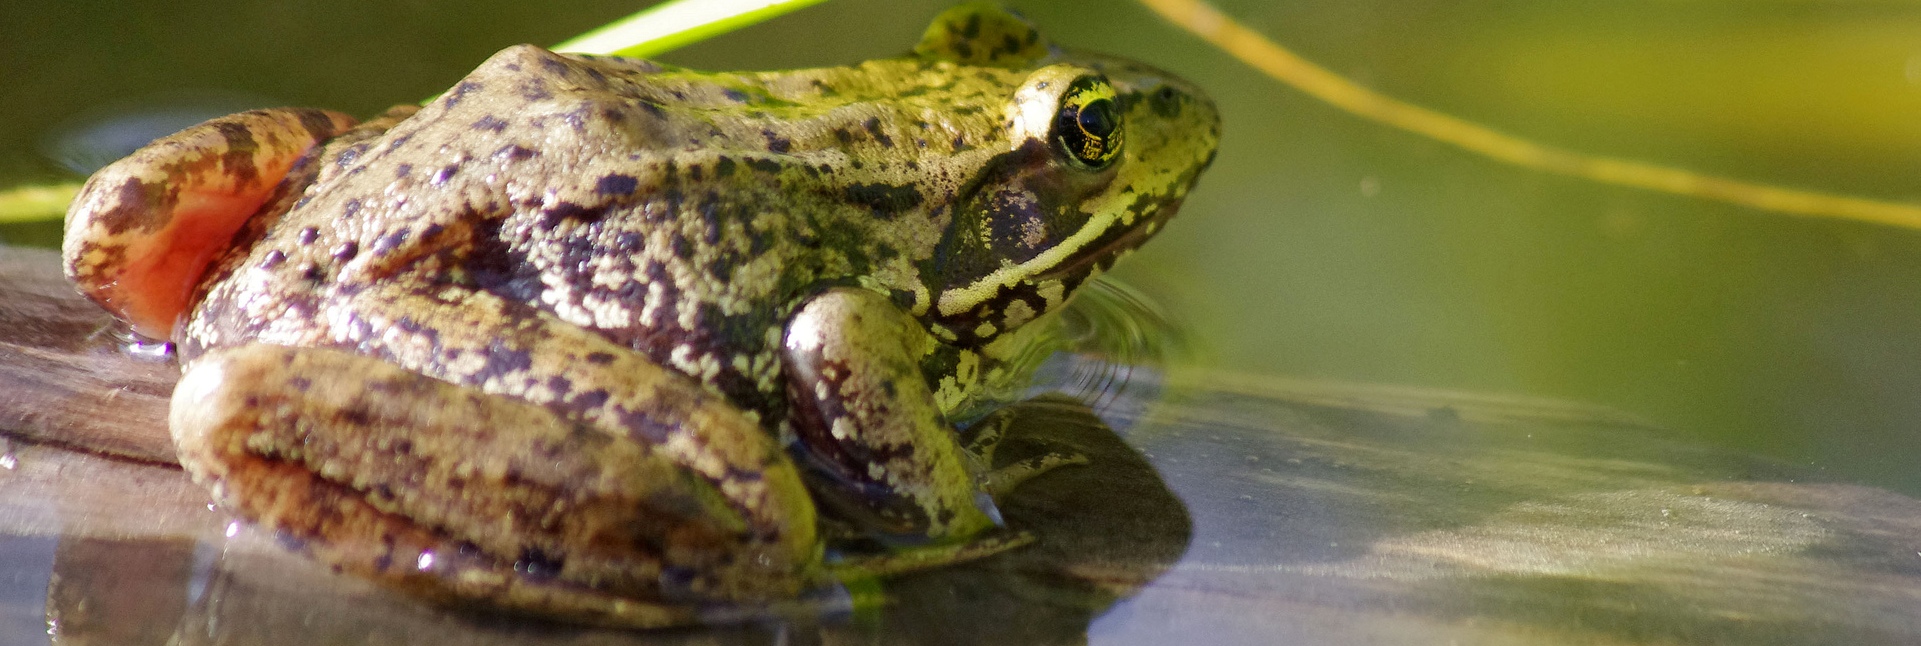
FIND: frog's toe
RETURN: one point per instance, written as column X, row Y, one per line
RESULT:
column 1005, row 479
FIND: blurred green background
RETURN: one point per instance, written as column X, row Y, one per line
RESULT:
column 1320, row 245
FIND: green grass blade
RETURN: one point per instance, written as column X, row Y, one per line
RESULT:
column 670, row 25
column 36, row 203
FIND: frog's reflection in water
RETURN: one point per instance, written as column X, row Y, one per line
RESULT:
column 1103, row 530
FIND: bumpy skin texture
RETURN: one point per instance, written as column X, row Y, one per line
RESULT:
column 601, row 338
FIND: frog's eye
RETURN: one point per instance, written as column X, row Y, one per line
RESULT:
column 1088, row 126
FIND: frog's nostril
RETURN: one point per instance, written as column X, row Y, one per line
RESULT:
column 1167, row 102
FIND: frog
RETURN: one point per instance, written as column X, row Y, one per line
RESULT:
column 621, row 342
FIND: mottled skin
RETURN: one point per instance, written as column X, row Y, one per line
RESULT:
column 612, row 340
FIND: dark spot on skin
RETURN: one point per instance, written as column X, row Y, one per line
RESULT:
column 711, row 218
column 776, row 143
column 501, row 360
column 1009, row 46
column 616, row 184
column 515, row 152
column 347, row 155
column 356, row 415
column 571, row 211
column 133, row 205
column 694, row 172
column 734, row 95
column 535, row 89
column 589, row 400
column 600, row 358
column 964, row 50
column 431, row 232
column 460, row 92
column 629, row 242
column 873, row 130
column 403, row 170
column 682, row 247
column 388, row 243
column 307, row 236
column 724, row 167
column 560, row 384
column 842, row 136
column 960, row 144
column 351, row 208
column 237, row 161
column 346, row 251
column 764, row 165
column 316, row 123
column 905, row 299
column 273, row 259
column 886, row 201
column 490, row 123
column 445, row 173
column 641, row 425
column 300, row 384
column 972, row 28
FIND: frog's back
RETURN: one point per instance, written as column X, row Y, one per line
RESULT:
column 563, row 184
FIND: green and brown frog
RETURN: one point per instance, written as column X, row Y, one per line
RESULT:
column 613, row 340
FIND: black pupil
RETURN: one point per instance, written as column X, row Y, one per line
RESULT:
column 1097, row 118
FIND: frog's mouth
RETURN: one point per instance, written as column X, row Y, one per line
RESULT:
column 1103, row 251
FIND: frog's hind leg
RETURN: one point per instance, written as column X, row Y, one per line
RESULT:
column 445, row 490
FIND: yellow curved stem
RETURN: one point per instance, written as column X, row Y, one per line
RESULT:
column 1287, row 67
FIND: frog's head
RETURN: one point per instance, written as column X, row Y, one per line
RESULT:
column 1100, row 151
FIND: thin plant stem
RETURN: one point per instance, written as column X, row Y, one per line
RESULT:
column 1282, row 65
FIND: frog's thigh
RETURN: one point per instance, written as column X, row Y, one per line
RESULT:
column 142, row 230
column 868, row 420
column 400, row 477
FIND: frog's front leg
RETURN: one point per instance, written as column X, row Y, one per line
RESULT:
column 868, row 423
